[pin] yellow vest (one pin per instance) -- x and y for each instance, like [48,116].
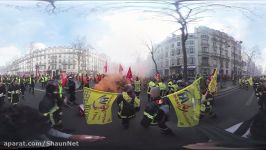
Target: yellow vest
[162,86]
[137,86]
[128,99]
[151,85]
[60,88]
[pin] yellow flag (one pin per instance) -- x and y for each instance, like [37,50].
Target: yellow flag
[212,87]
[98,106]
[250,81]
[186,103]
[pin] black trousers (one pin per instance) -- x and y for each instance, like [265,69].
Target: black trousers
[43,84]
[22,91]
[72,97]
[149,97]
[125,122]
[137,94]
[2,101]
[31,88]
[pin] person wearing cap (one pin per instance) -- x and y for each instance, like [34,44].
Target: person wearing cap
[13,92]
[156,112]
[128,104]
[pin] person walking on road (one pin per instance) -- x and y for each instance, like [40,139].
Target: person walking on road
[31,84]
[156,112]
[128,105]
[71,90]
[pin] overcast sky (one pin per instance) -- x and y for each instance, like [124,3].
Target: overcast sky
[121,34]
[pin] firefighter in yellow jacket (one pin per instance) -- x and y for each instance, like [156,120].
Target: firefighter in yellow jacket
[50,105]
[163,88]
[137,86]
[151,84]
[13,92]
[128,105]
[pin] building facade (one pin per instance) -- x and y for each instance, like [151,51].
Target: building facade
[52,59]
[206,49]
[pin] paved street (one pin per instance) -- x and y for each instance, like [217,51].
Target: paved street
[232,107]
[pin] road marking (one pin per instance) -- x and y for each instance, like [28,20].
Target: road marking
[39,90]
[227,93]
[250,99]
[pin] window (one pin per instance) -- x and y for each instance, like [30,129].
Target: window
[178,51]
[204,36]
[205,49]
[173,62]
[166,63]
[191,50]
[227,64]
[191,60]
[166,54]
[178,43]
[191,42]
[69,66]
[205,61]
[178,61]
[215,49]
[172,52]
[173,45]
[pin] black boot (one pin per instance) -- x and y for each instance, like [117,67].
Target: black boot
[167,131]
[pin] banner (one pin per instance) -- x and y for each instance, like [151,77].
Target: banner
[186,103]
[212,87]
[98,106]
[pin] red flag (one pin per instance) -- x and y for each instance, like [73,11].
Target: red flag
[120,68]
[105,67]
[129,74]
[63,77]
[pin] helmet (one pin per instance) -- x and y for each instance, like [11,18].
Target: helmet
[51,87]
[170,83]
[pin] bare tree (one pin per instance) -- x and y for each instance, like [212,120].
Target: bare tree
[152,49]
[81,44]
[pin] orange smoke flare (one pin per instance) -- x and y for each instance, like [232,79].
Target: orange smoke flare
[112,83]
